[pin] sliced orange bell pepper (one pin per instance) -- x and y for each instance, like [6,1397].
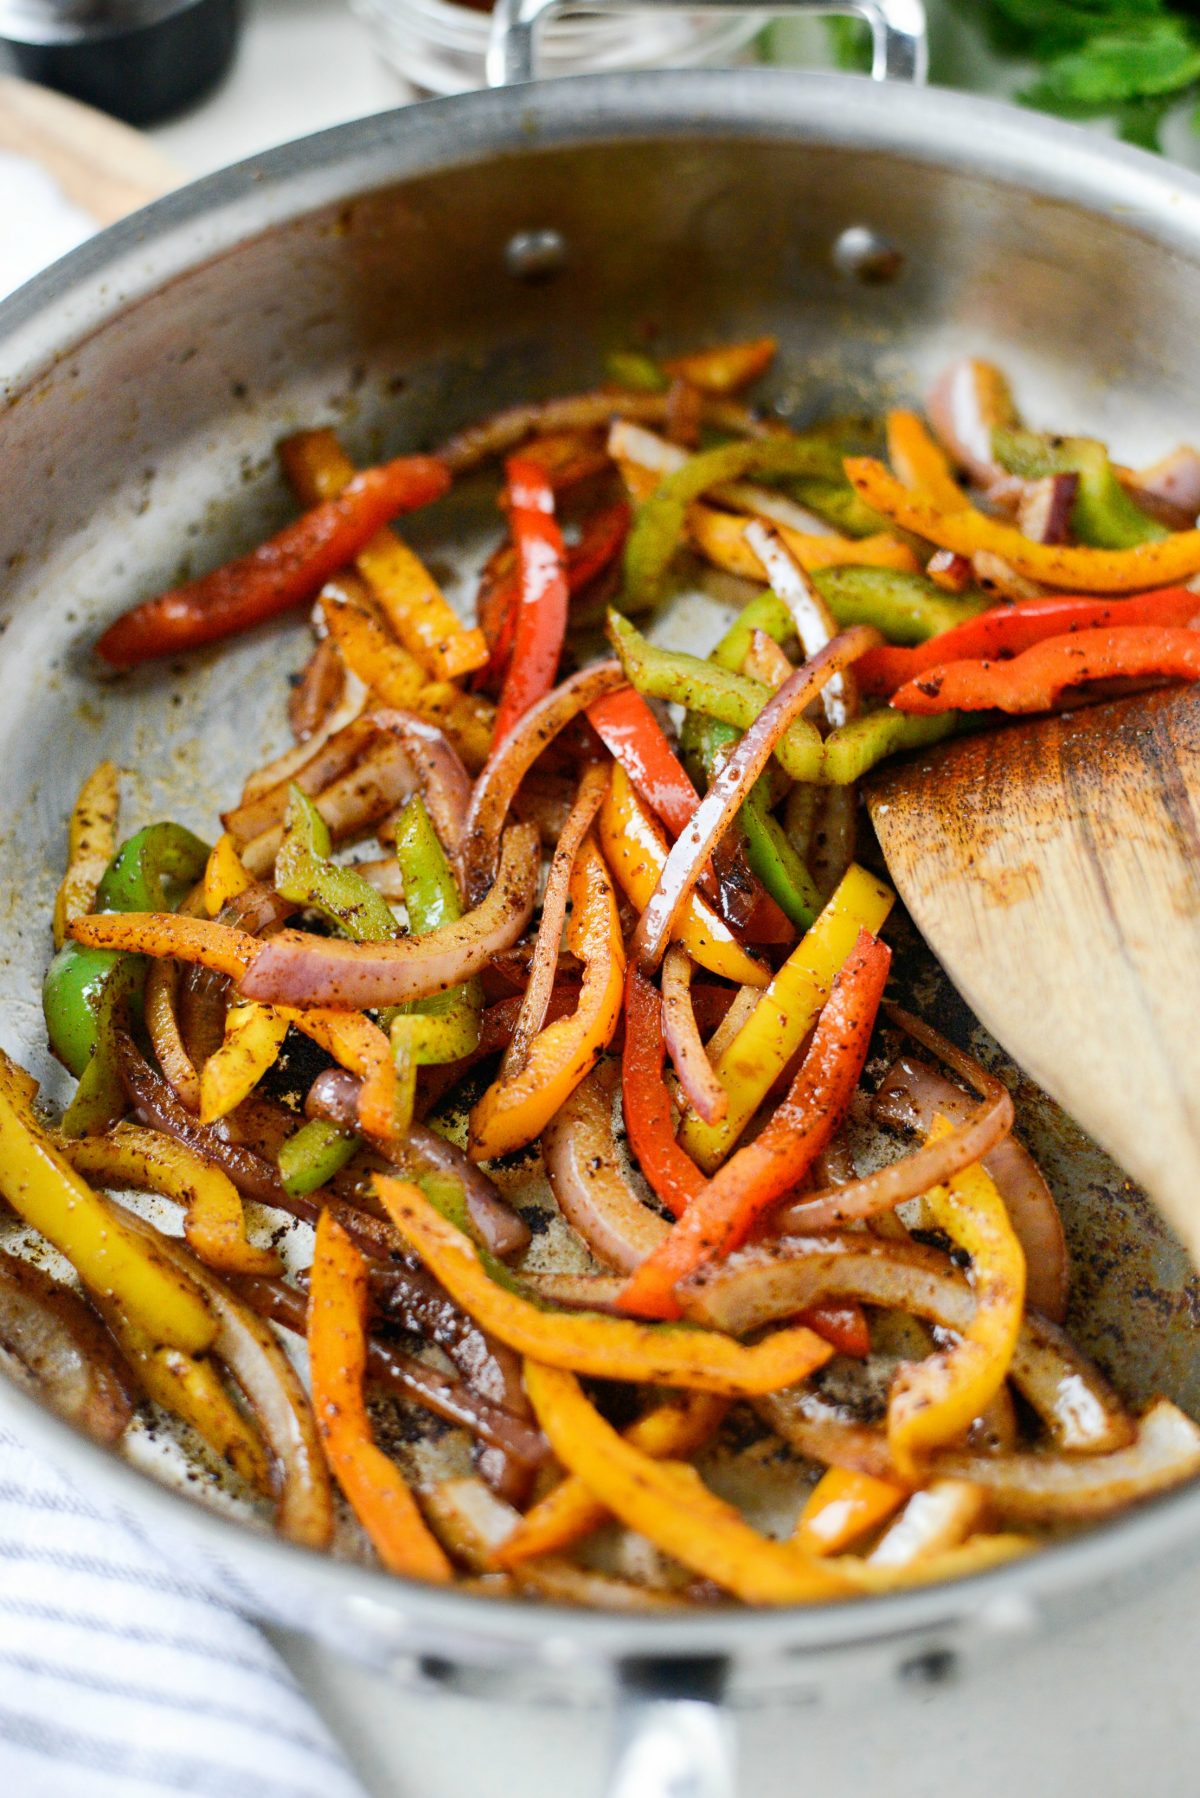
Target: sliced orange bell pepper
[148,1161]
[224,875]
[383,665]
[166,935]
[517,1106]
[749,1066]
[725,368]
[1162,563]
[610,1348]
[413,603]
[668,1502]
[253,1038]
[920,462]
[636,851]
[720,536]
[843,1506]
[933,1401]
[337,1349]
[570,1511]
[717,1220]
[91,845]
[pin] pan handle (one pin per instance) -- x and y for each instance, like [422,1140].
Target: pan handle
[673,1748]
[900,50]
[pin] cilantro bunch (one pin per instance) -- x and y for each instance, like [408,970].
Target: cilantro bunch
[1130,60]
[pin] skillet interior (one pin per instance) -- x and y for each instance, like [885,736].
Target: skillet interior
[146,449]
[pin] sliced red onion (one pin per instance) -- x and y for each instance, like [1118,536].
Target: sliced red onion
[1044,514]
[327,759]
[298,968]
[733,781]
[543,969]
[968,402]
[333,1095]
[499,1227]
[437,772]
[63,1350]
[511,760]
[319,691]
[584,1170]
[1174,480]
[405,1376]
[681,1033]
[380,779]
[157,1104]
[815,623]
[248,1348]
[911,1096]
[931,1165]
[503,431]
[287,766]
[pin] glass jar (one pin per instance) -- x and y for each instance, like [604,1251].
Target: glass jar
[440,47]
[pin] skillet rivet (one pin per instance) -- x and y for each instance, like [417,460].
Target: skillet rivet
[935,1667]
[535,255]
[866,256]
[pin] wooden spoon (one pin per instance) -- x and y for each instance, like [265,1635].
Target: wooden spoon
[103,167]
[1054,868]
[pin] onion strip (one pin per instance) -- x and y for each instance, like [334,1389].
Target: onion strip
[697,1077]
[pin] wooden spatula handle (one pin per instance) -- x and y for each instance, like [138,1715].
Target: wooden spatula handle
[1054,869]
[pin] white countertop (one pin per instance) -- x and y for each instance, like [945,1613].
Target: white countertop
[1107,1710]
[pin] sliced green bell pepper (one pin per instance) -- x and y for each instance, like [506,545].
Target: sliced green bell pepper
[305,874]
[88,993]
[706,687]
[658,529]
[312,1155]
[1103,516]
[444,1027]
[907,608]
[635,371]
[867,739]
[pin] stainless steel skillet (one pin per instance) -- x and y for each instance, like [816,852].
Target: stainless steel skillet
[401,275]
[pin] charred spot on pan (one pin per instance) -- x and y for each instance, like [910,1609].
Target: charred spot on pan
[536,1218]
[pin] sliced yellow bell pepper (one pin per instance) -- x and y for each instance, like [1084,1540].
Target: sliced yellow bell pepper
[413,603]
[636,851]
[191,1388]
[1162,563]
[91,845]
[784,1014]
[517,1106]
[42,1186]
[719,536]
[610,1348]
[843,1506]
[921,463]
[931,1402]
[668,1502]
[224,875]
[253,1038]
[148,1161]
[571,1511]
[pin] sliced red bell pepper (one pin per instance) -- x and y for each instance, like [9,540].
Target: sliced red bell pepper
[601,541]
[541,611]
[843,1324]
[629,731]
[1009,629]
[288,570]
[1034,680]
[646,1102]
[751,1181]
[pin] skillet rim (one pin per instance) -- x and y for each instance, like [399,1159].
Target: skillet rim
[44,321]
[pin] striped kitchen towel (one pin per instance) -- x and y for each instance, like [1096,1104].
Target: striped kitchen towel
[123,1676]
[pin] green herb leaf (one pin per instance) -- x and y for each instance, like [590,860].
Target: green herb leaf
[1146,58]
